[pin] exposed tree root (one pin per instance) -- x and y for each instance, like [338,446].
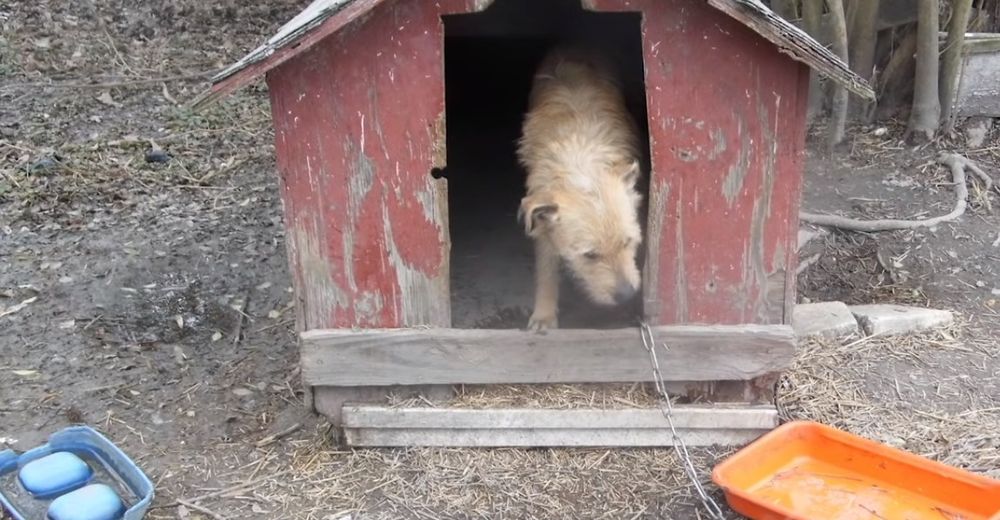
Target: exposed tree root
[958,165]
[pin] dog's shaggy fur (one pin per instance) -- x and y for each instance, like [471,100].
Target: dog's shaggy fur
[580,147]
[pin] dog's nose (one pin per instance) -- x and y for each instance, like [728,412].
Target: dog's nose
[624,292]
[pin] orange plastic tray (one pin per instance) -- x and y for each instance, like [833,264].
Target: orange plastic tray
[809,471]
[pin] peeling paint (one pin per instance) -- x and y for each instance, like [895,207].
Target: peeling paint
[481,5]
[757,271]
[367,307]
[680,277]
[687,155]
[361,177]
[427,198]
[651,269]
[321,296]
[719,144]
[733,183]
[439,152]
[373,103]
[420,299]
[774,292]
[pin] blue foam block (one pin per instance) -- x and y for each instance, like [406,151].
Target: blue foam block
[53,474]
[93,502]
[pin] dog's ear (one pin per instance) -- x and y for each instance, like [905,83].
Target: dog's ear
[536,212]
[628,171]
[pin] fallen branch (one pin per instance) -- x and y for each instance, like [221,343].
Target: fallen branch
[271,439]
[803,265]
[957,163]
[242,486]
[200,509]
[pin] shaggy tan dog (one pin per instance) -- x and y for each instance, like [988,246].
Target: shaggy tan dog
[581,149]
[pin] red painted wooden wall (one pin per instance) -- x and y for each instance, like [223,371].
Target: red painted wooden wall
[359,126]
[727,130]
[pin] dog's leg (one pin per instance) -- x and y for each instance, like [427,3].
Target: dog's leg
[545,315]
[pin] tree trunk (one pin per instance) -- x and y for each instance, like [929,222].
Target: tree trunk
[952,60]
[838,116]
[863,37]
[926,113]
[850,15]
[812,21]
[895,83]
[784,9]
[862,44]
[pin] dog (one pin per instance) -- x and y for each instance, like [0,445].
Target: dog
[580,148]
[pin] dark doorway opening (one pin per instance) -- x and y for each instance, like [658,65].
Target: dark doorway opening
[490,60]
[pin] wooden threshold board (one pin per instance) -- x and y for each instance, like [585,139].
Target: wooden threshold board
[384,357]
[383,426]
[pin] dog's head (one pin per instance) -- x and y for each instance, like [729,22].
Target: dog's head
[595,229]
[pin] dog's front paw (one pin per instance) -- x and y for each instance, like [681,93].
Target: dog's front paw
[542,321]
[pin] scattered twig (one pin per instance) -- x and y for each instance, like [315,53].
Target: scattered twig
[236,164]
[103,388]
[93,321]
[283,323]
[958,165]
[803,265]
[243,486]
[18,307]
[271,439]
[110,84]
[200,509]
[167,96]
[241,314]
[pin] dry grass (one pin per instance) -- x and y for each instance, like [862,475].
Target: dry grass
[891,389]
[452,483]
[555,396]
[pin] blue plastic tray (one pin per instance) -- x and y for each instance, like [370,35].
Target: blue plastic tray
[110,467]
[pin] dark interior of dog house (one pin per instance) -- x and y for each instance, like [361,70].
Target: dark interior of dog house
[490,60]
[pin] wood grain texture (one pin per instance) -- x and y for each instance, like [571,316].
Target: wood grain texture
[374,426]
[366,224]
[367,230]
[978,91]
[727,137]
[453,356]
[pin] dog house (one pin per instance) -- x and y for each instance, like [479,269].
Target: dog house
[395,123]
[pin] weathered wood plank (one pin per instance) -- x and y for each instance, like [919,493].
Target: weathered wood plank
[377,426]
[689,417]
[978,91]
[366,224]
[339,357]
[727,141]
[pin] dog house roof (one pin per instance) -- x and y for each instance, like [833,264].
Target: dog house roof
[323,18]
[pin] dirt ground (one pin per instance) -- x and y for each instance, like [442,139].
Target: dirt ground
[151,299]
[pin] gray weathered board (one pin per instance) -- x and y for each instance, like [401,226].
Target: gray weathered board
[372,357]
[380,426]
[978,92]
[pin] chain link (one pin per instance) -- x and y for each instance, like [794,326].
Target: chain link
[649,343]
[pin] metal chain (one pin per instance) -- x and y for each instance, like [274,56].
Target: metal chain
[649,342]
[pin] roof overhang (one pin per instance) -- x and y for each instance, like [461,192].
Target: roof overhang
[325,17]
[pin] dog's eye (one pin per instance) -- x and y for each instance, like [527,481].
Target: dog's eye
[592,255]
